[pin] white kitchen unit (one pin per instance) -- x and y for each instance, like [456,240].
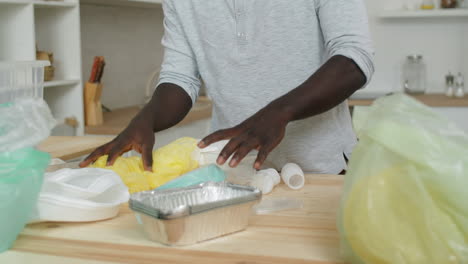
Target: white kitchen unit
[53,27]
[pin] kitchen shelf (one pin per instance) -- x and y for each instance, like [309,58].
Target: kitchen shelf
[61,83]
[38,3]
[131,3]
[425,13]
[47,4]
[14,2]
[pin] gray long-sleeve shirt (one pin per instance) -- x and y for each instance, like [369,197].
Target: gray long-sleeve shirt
[250,52]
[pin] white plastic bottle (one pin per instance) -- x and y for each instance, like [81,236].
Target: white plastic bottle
[265,180]
[293,176]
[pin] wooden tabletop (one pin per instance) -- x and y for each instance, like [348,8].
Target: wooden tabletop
[118,120]
[433,100]
[67,148]
[306,235]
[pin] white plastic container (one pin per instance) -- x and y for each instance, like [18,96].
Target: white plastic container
[293,176]
[21,80]
[80,195]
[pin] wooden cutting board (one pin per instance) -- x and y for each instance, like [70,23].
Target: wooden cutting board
[306,235]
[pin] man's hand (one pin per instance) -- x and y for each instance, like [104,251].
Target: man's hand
[263,132]
[168,106]
[138,136]
[332,84]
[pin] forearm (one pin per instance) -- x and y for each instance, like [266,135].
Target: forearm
[168,106]
[332,84]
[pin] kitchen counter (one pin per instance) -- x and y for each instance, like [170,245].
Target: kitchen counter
[306,235]
[433,100]
[68,148]
[118,120]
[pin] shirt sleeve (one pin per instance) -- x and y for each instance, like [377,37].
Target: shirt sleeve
[345,28]
[179,65]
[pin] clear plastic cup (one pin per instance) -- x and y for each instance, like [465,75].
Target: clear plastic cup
[21,167]
[21,80]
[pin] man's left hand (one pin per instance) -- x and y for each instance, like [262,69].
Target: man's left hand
[263,132]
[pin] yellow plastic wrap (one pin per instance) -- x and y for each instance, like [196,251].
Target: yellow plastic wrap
[405,198]
[169,162]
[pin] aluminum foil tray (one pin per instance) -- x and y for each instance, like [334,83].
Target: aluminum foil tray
[189,215]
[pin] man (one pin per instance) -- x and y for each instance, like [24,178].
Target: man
[278,71]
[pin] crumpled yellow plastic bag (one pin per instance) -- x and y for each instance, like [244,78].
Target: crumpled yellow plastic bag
[405,196]
[169,162]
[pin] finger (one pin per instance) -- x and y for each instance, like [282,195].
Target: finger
[116,151]
[261,157]
[95,155]
[241,152]
[227,151]
[147,157]
[218,136]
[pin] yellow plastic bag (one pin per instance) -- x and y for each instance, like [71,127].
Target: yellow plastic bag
[405,199]
[169,162]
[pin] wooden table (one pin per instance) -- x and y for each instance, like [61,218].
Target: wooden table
[67,148]
[306,235]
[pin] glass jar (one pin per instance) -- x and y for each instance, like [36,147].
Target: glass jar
[414,75]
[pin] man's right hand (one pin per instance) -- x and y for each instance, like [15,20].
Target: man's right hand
[168,106]
[138,136]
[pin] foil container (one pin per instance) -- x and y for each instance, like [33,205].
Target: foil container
[186,216]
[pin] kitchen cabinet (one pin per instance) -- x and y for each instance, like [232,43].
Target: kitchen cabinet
[54,27]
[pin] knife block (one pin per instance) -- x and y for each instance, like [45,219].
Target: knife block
[92,102]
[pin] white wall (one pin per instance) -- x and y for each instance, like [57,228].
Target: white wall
[442,41]
[129,38]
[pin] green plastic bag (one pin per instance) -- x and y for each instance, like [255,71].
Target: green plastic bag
[211,173]
[21,175]
[405,198]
